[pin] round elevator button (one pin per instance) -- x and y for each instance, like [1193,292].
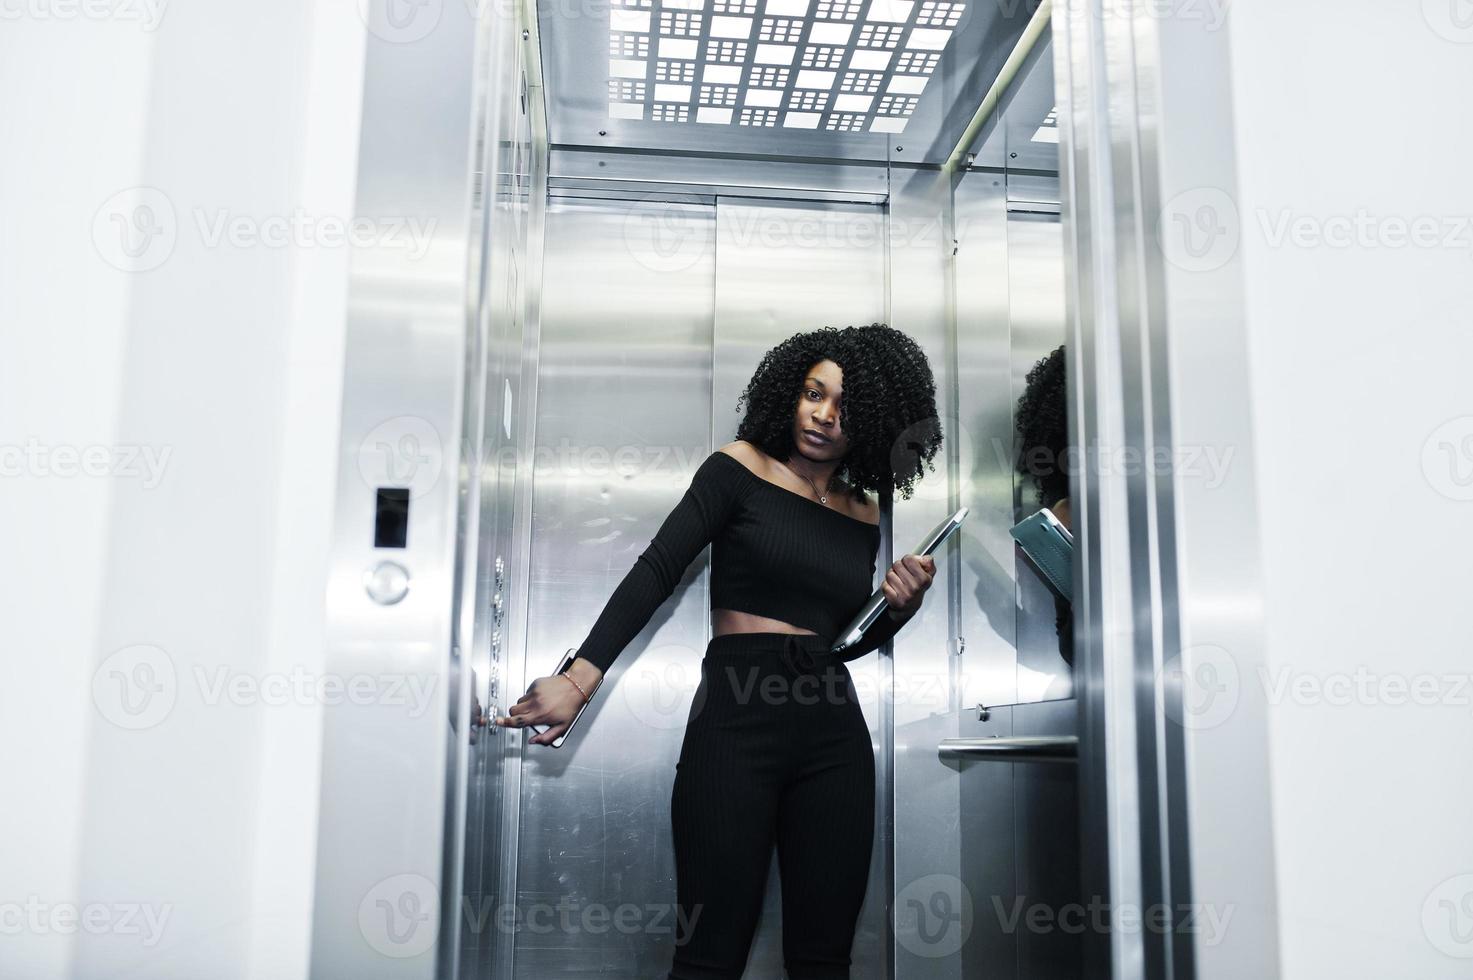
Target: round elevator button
[387,582]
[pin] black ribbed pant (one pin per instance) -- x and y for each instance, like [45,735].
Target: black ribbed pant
[776,751]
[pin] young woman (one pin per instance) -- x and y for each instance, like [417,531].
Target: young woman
[776,748]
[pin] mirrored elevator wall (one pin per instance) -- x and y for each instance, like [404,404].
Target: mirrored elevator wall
[1021,850]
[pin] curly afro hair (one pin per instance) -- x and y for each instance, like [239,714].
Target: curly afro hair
[888,411]
[1042,422]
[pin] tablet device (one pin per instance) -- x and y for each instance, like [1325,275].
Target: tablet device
[1049,549]
[878,602]
[563,664]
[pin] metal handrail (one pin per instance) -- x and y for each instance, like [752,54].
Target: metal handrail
[1015,748]
[1031,33]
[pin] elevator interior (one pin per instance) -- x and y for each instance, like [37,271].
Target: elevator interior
[636,202]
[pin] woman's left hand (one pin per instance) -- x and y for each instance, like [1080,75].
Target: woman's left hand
[907,581]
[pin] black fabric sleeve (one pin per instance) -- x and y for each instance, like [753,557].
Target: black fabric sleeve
[879,631]
[695,521]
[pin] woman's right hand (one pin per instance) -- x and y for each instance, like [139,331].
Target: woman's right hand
[552,701]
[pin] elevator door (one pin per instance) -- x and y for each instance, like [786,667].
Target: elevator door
[654,316]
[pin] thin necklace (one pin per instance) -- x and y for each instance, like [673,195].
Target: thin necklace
[821,498]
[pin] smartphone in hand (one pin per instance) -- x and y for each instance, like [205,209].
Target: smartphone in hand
[563,664]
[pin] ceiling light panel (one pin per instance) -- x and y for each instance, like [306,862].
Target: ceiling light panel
[845,66]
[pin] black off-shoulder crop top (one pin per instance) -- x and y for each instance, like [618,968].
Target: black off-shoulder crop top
[774,553]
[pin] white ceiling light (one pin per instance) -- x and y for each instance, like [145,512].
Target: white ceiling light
[1049,131]
[840,65]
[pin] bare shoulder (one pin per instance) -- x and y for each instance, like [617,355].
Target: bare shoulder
[748,455]
[866,509]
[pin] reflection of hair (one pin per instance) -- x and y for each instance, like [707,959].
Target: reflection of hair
[888,410]
[1043,428]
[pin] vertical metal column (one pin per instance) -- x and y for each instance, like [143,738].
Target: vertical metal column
[387,757]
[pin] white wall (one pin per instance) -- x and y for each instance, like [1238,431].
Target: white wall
[1360,357]
[182,830]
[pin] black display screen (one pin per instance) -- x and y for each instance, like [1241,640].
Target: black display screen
[391,518]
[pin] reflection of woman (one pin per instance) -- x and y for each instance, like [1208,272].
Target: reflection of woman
[1042,422]
[777,749]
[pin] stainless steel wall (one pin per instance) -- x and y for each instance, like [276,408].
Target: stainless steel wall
[1020,842]
[784,267]
[623,419]
[1035,271]
[931,914]
[654,316]
[388,760]
[480,858]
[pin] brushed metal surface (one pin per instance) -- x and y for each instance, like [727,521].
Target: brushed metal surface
[1035,327]
[1008,138]
[925,669]
[988,616]
[623,409]
[388,761]
[781,268]
[1020,842]
[650,172]
[491,569]
[649,308]
[1046,849]
[1015,748]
